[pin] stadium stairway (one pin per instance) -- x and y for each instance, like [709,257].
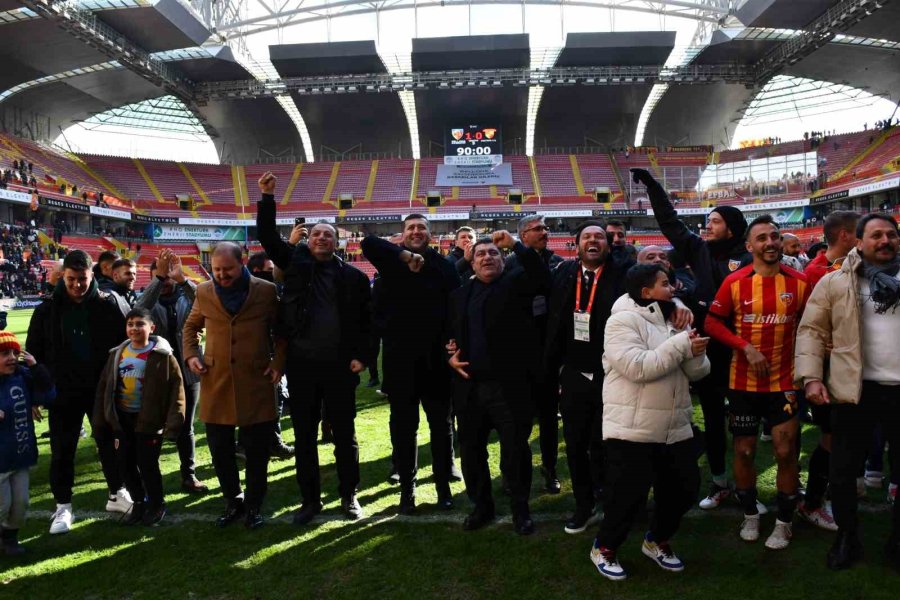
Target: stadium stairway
[109,187]
[204,199]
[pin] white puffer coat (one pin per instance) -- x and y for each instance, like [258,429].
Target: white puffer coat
[648,366]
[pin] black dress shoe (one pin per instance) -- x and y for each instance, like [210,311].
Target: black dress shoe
[846,550]
[281,451]
[393,477]
[551,481]
[233,512]
[478,519]
[134,516]
[445,499]
[523,524]
[153,515]
[192,485]
[351,508]
[373,383]
[307,513]
[408,501]
[455,473]
[254,519]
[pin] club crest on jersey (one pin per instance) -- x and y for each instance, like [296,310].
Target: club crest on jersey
[787,298]
[733,265]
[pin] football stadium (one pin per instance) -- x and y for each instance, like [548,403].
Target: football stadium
[159,146]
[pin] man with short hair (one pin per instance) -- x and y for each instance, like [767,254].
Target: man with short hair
[103,270]
[461,254]
[847,359]
[326,317]
[124,274]
[416,285]
[534,235]
[711,260]
[755,313]
[840,233]
[490,316]
[238,373]
[616,233]
[71,332]
[173,296]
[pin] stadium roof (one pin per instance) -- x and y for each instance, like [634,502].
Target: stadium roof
[107,54]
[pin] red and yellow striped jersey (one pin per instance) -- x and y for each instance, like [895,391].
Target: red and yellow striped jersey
[765,312]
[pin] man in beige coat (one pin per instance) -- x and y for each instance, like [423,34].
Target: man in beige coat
[237,375]
[847,357]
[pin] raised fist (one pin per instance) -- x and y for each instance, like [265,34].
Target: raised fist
[642,176]
[267,183]
[503,239]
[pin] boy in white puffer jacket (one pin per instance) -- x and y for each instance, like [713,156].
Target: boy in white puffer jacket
[647,419]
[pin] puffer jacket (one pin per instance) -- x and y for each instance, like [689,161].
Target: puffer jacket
[832,316]
[648,366]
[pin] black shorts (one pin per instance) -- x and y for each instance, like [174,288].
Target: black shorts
[746,409]
[821,415]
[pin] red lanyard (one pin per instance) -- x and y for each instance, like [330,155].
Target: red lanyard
[593,291]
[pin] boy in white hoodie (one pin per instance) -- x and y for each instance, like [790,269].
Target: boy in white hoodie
[647,419]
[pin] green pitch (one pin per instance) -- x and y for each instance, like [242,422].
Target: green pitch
[422,557]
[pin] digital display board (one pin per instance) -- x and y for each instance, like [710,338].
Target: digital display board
[473,145]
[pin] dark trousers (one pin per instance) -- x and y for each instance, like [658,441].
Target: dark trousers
[66,419]
[853,426]
[330,387]
[404,423]
[547,397]
[256,439]
[487,409]
[185,441]
[632,469]
[138,456]
[581,405]
[376,348]
[712,401]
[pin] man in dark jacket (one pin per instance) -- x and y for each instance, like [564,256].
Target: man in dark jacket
[711,260]
[491,316]
[461,255]
[534,235]
[417,282]
[326,316]
[103,270]
[583,292]
[71,333]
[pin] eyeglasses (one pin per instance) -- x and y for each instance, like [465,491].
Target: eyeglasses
[538,228]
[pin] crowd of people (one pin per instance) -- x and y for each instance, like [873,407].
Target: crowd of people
[21,271]
[498,334]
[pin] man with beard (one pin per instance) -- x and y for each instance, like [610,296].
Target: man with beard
[792,247]
[755,313]
[534,235]
[682,279]
[103,270]
[326,317]
[174,296]
[711,260]
[461,255]
[416,284]
[124,273]
[852,312]
[490,316]
[582,296]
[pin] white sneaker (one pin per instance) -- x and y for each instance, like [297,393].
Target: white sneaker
[62,519]
[861,487]
[781,536]
[120,502]
[874,479]
[662,555]
[820,517]
[717,494]
[765,437]
[606,562]
[750,528]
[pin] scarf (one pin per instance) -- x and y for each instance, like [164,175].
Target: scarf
[667,307]
[884,286]
[234,296]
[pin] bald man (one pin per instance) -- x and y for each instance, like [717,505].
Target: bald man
[681,278]
[791,246]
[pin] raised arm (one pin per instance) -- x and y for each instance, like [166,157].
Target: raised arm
[682,239]
[278,250]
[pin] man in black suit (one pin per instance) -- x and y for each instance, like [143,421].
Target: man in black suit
[416,284]
[325,312]
[490,331]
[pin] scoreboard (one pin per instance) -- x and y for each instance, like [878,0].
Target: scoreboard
[472,145]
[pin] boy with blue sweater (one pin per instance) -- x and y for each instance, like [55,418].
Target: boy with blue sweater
[22,388]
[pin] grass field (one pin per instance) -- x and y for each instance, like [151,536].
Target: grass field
[427,556]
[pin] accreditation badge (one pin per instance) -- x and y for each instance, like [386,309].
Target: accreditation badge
[582,328]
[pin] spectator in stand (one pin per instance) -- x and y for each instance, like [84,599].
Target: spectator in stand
[71,333]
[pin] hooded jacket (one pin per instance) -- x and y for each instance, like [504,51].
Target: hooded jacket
[162,396]
[647,365]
